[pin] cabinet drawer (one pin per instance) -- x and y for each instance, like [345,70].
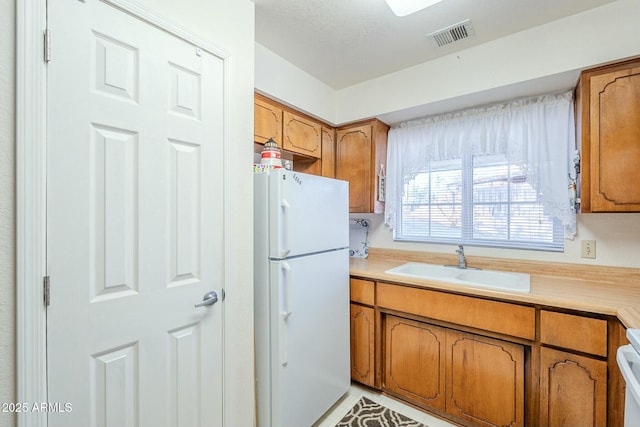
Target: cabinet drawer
[574,332]
[362,291]
[494,316]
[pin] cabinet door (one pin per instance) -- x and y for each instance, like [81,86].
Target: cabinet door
[485,380]
[362,344]
[414,361]
[267,122]
[353,164]
[615,140]
[301,135]
[573,390]
[328,152]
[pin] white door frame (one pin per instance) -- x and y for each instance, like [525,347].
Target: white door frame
[31,173]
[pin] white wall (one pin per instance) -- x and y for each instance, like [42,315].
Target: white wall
[279,79]
[606,33]
[226,23]
[617,239]
[538,60]
[7,208]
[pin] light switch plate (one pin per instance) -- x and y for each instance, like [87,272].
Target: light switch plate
[589,249]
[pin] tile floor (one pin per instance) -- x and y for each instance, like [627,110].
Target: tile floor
[335,414]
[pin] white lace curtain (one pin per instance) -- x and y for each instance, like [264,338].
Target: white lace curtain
[539,132]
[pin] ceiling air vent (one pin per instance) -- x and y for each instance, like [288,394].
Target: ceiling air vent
[452,33]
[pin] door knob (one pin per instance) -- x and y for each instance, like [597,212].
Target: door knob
[209,298]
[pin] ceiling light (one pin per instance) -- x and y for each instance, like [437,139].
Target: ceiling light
[407,7]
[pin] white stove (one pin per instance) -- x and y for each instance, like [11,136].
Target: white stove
[629,362]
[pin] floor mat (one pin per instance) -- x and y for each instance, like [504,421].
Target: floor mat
[367,413]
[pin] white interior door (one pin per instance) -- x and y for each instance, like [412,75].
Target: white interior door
[134,216]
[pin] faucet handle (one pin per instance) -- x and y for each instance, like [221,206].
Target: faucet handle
[460,249]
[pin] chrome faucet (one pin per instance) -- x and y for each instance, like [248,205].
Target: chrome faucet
[462,261]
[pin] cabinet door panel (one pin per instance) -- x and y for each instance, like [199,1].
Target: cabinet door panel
[362,344]
[414,361]
[573,390]
[353,164]
[608,107]
[328,152]
[615,139]
[485,380]
[301,135]
[267,122]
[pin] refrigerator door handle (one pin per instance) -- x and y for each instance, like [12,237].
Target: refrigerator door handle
[285,304]
[284,251]
[284,341]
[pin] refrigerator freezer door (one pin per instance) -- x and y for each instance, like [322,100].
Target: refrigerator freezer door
[308,214]
[310,357]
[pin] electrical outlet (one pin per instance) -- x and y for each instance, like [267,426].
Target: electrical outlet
[588,249]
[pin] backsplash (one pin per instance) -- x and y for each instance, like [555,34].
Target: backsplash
[617,236]
[359,237]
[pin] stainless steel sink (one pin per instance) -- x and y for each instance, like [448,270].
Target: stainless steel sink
[517,282]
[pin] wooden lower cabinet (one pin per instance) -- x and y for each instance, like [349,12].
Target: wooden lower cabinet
[573,390]
[485,380]
[539,367]
[414,361]
[363,344]
[469,376]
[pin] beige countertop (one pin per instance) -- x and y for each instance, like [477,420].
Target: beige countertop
[602,290]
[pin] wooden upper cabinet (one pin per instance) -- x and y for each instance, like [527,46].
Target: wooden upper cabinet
[309,143]
[361,150]
[608,107]
[267,121]
[301,135]
[328,152]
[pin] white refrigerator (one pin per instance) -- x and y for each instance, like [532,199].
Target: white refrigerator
[301,267]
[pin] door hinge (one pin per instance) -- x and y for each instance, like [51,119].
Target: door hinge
[46,291]
[47,45]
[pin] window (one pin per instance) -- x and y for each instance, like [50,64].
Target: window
[480,200]
[499,175]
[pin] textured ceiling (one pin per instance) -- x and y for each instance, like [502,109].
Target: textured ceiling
[344,42]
